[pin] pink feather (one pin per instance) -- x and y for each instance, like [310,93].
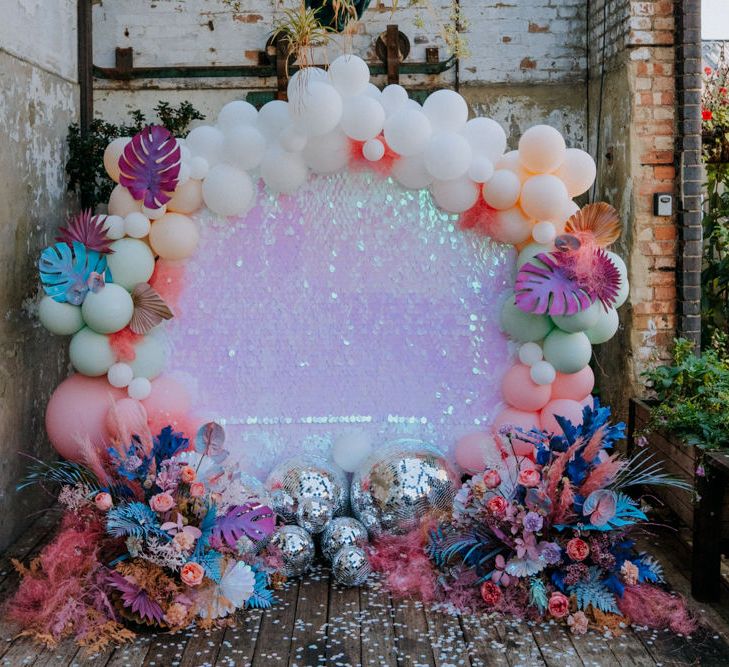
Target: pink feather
[601,475]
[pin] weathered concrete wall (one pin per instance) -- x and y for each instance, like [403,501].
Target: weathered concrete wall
[38,99]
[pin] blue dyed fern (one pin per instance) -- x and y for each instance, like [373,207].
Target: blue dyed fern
[211,563]
[538,594]
[133,520]
[594,592]
[262,597]
[649,569]
[65,271]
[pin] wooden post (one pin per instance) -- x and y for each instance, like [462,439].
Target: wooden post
[85,58]
[706,554]
[282,80]
[392,39]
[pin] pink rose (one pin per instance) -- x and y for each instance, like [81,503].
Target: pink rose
[103,501]
[496,505]
[559,605]
[530,477]
[490,593]
[162,502]
[577,549]
[578,623]
[188,474]
[491,478]
[192,573]
[197,489]
[184,541]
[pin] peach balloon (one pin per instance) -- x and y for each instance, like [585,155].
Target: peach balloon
[511,162]
[541,149]
[577,171]
[566,213]
[77,411]
[188,197]
[174,236]
[521,392]
[475,450]
[560,407]
[122,203]
[502,190]
[516,419]
[543,197]
[112,153]
[574,386]
[511,226]
[169,404]
[127,417]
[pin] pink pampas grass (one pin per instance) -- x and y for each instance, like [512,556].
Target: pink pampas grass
[649,605]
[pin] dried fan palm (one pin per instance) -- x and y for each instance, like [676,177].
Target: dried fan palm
[599,223]
[86,229]
[149,309]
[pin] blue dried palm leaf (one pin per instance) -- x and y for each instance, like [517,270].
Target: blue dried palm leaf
[66,270]
[133,520]
[262,597]
[65,473]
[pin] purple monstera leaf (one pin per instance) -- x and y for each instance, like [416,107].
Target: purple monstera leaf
[135,598]
[548,286]
[252,520]
[150,166]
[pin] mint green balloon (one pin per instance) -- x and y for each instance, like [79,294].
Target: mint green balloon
[605,327]
[150,356]
[567,352]
[521,326]
[530,252]
[131,262]
[580,321]
[91,353]
[109,310]
[62,319]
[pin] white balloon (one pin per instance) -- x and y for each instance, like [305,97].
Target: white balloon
[62,319]
[486,137]
[407,132]
[301,78]
[244,147]
[185,152]
[283,171]
[137,225]
[543,197]
[530,353]
[114,227]
[481,169]
[349,74]
[544,232]
[273,117]
[570,208]
[199,168]
[228,191]
[120,375]
[293,139]
[184,175]
[236,113]
[502,190]
[327,154]
[455,196]
[373,150]
[447,156]
[393,98]
[446,110]
[139,388]
[371,90]
[362,117]
[153,213]
[411,172]
[542,372]
[207,142]
[350,450]
[541,149]
[318,110]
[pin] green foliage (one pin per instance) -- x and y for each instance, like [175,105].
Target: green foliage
[693,394]
[85,167]
[715,271]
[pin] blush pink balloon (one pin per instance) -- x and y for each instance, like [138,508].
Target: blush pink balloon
[475,451]
[574,386]
[562,407]
[513,418]
[76,411]
[588,401]
[169,404]
[521,392]
[127,417]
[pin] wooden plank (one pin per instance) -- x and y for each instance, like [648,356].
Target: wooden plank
[629,650]
[21,651]
[165,649]
[377,631]
[59,656]
[593,648]
[84,659]
[520,646]
[483,642]
[411,634]
[344,633]
[274,637]
[202,648]
[554,644]
[309,635]
[239,643]
[447,639]
[130,655]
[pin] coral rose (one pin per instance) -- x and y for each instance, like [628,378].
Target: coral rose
[188,474]
[162,502]
[559,605]
[491,478]
[630,572]
[490,593]
[192,573]
[197,489]
[577,549]
[529,477]
[176,614]
[496,505]
[103,501]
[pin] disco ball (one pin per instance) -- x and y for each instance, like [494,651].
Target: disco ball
[350,566]
[296,547]
[313,514]
[401,483]
[342,532]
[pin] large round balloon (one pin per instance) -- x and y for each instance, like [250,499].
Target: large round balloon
[521,392]
[77,412]
[521,326]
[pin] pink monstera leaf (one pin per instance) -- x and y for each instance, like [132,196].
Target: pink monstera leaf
[149,167]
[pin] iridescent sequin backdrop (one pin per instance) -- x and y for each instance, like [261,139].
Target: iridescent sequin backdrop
[351,304]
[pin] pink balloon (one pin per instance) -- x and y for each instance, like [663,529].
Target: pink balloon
[521,392]
[169,404]
[76,411]
[588,401]
[513,418]
[574,386]
[562,407]
[127,417]
[475,451]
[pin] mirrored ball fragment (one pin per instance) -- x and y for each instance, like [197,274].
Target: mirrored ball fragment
[314,514]
[344,531]
[296,548]
[350,566]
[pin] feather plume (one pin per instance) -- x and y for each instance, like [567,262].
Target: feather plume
[558,467]
[566,500]
[601,475]
[594,445]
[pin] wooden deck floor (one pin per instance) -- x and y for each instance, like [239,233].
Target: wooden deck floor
[317,623]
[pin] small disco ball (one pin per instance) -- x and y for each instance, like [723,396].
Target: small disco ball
[296,547]
[308,477]
[343,531]
[313,514]
[350,566]
[401,483]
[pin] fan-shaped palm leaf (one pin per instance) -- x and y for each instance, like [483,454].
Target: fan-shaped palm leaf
[598,223]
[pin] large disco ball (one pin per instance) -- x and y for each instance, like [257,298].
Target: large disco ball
[399,484]
[308,490]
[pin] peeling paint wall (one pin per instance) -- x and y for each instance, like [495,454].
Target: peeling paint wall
[38,100]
